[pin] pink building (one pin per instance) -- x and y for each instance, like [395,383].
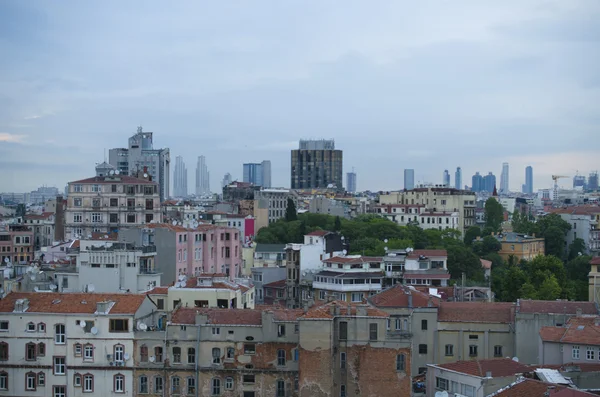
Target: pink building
[192,251]
[16,244]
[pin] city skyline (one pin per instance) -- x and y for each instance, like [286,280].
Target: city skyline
[69,96]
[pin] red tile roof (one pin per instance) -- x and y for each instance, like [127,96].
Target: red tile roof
[319,233]
[72,303]
[287,314]
[499,368]
[595,260]
[158,291]
[324,311]
[398,296]
[527,388]
[555,307]
[354,259]
[476,312]
[202,227]
[275,284]
[577,210]
[428,253]
[43,215]
[113,180]
[579,330]
[185,315]
[486,264]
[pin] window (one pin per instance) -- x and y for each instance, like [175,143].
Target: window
[296,354]
[77,350]
[160,304]
[216,355]
[281,330]
[230,354]
[280,392]
[575,352]
[158,354]
[449,350]
[177,355]
[216,386]
[281,357]
[76,202]
[30,327]
[158,384]
[143,384]
[191,386]
[497,351]
[144,354]
[248,378]
[474,337]
[3,351]
[59,391]
[118,325]
[373,331]
[41,327]
[77,380]
[467,390]
[400,362]
[96,217]
[59,365]
[77,217]
[343,330]
[30,381]
[30,350]
[175,385]
[441,383]
[119,351]
[41,379]
[119,383]
[357,297]
[216,331]
[95,188]
[249,348]
[41,349]
[88,383]
[321,294]
[423,325]
[130,218]
[343,391]
[3,381]
[59,334]
[473,350]
[422,349]
[590,353]
[191,355]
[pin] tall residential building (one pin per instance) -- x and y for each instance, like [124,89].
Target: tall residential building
[477,183]
[504,186]
[227,179]
[528,180]
[258,174]
[593,181]
[140,154]
[409,179]
[202,177]
[180,178]
[316,164]
[351,182]
[579,181]
[446,179]
[458,178]
[489,182]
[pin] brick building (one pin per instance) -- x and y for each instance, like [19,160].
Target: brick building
[16,244]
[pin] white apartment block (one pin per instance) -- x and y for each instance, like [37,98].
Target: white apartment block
[59,345]
[276,201]
[109,203]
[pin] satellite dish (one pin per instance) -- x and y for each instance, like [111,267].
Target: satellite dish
[385,248]
[33,276]
[174,223]
[6,260]
[91,288]
[111,172]
[82,324]
[515,359]
[126,356]
[36,289]
[94,331]
[53,287]
[385,241]
[143,327]
[181,277]
[344,252]
[152,359]
[117,172]
[145,175]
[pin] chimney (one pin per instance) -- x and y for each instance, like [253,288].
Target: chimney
[578,312]
[59,220]
[430,302]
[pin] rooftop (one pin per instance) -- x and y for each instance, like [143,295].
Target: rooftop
[476,312]
[579,330]
[113,179]
[512,237]
[185,315]
[72,303]
[499,368]
[398,296]
[276,284]
[354,259]
[345,309]
[279,248]
[319,233]
[555,307]
[416,254]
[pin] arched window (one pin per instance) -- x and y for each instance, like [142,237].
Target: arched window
[281,357]
[88,383]
[31,327]
[41,349]
[158,354]
[119,383]
[216,354]
[119,351]
[175,385]
[30,351]
[143,384]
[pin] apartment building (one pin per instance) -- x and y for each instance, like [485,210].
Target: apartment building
[211,290]
[42,226]
[271,255]
[436,199]
[60,345]
[594,280]
[276,200]
[111,203]
[265,277]
[417,267]
[220,352]
[16,244]
[404,215]
[344,350]
[520,246]
[584,225]
[576,342]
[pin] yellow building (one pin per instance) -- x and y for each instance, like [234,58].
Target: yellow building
[521,246]
[594,278]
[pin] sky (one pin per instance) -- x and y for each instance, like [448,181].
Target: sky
[429,85]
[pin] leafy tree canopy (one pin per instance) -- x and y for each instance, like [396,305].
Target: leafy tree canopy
[494,214]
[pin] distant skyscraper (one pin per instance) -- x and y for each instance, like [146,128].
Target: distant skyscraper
[409,179]
[528,180]
[351,182]
[202,177]
[179,178]
[316,164]
[446,178]
[140,154]
[458,178]
[227,179]
[477,183]
[489,182]
[593,181]
[579,181]
[504,186]
[258,174]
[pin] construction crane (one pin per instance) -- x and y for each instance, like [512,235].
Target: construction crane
[555,178]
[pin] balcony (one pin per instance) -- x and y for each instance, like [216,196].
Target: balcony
[346,287]
[399,335]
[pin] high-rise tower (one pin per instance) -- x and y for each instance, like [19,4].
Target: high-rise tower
[180,178]
[504,186]
[316,164]
[446,178]
[458,178]
[409,178]
[202,177]
[351,182]
[528,180]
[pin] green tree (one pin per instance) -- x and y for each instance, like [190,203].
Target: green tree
[463,260]
[576,248]
[290,211]
[338,224]
[511,280]
[494,214]
[471,234]
[528,291]
[487,245]
[521,223]
[550,289]
[554,241]
[578,268]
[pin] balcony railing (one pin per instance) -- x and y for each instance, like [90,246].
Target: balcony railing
[399,335]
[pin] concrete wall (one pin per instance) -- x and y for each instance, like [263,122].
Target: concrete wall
[462,335]
[527,328]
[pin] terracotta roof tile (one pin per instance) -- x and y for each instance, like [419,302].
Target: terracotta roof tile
[51,302]
[43,215]
[319,233]
[185,315]
[486,264]
[428,253]
[324,311]
[275,284]
[595,260]
[398,296]
[499,368]
[555,307]
[476,312]
[287,314]
[527,388]
[158,291]
[580,330]
[354,259]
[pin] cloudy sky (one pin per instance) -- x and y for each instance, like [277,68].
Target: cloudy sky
[423,84]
